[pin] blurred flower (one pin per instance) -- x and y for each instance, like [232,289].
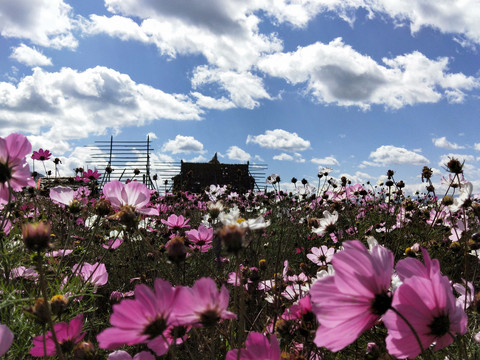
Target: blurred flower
[36,236]
[203,304]
[68,334]
[6,339]
[62,195]
[96,274]
[14,169]
[257,346]
[426,301]
[26,273]
[144,319]
[41,155]
[359,291]
[123,355]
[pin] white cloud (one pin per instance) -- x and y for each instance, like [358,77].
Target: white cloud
[183,144]
[329,160]
[199,158]
[283,157]
[30,56]
[280,139]
[336,73]
[235,153]
[392,155]
[455,17]
[152,136]
[224,31]
[476,146]
[244,89]
[164,157]
[297,157]
[442,142]
[208,102]
[71,105]
[47,23]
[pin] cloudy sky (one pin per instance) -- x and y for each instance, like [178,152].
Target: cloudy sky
[360,86]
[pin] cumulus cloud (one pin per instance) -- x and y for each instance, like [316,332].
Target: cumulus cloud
[152,136]
[71,105]
[244,89]
[280,139]
[457,17]
[225,32]
[30,56]
[236,153]
[208,102]
[297,157]
[442,142]
[47,23]
[329,160]
[392,155]
[183,144]
[336,73]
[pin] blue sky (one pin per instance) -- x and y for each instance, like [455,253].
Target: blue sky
[358,86]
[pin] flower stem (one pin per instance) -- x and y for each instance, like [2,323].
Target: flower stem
[43,288]
[410,326]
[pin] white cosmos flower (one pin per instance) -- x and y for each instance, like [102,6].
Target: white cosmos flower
[326,223]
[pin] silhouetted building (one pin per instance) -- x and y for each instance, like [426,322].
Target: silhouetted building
[196,177]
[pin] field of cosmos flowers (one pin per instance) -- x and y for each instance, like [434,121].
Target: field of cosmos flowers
[341,271]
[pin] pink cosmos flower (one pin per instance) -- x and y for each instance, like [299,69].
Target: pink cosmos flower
[6,339]
[24,272]
[41,155]
[427,302]
[90,175]
[60,252]
[351,301]
[175,222]
[133,194]
[14,169]
[96,274]
[144,319]
[123,355]
[62,195]
[257,346]
[68,334]
[322,255]
[201,238]
[112,244]
[203,304]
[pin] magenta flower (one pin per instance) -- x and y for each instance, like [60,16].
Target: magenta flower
[96,274]
[201,238]
[203,305]
[351,301]
[14,169]
[90,175]
[67,335]
[257,346]
[144,319]
[24,272]
[175,222]
[133,194]
[427,302]
[41,155]
[6,339]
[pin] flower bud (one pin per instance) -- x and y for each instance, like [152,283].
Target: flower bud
[176,250]
[36,236]
[232,237]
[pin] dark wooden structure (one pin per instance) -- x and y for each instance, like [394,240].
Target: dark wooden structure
[196,177]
